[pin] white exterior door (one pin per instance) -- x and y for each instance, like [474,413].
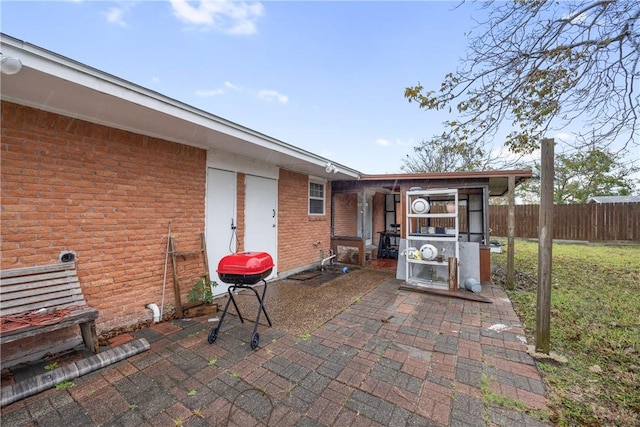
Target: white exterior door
[220,220]
[261,217]
[365,208]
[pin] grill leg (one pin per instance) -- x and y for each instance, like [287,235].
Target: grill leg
[255,337]
[264,292]
[261,308]
[232,299]
[213,333]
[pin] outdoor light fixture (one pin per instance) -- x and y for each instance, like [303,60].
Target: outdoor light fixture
[330,168]
[9,65]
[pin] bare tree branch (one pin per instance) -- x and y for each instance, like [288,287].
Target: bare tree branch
[537,66]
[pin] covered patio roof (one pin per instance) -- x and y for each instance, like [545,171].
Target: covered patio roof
[498,180]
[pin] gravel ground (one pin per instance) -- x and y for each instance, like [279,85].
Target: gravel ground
[302,306]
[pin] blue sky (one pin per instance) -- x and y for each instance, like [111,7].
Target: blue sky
[326,76]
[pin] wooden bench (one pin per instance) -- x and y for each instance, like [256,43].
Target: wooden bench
[42,299]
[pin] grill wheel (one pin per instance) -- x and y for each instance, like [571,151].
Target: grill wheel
[255,340]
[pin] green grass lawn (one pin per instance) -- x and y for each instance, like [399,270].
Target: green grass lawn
[595,323]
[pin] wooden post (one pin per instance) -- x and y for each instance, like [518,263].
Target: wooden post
[205,257]
[363,228]
[176,283]
[545,237]
[511,233]
[453,273]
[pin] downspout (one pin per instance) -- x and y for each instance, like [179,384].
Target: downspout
[156,312]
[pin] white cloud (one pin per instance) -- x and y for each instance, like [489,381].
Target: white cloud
[270,95]
[209,92]
[565,137]
[228,16]
[115,15]
[383,142]
[231,86]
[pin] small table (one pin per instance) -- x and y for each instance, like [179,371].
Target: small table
[388,244]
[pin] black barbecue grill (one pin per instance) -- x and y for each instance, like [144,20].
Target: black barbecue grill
[242,270]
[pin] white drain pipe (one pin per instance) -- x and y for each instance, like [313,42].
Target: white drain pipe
[329,258]
[156,312]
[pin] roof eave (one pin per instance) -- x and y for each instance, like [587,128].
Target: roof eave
[54,83]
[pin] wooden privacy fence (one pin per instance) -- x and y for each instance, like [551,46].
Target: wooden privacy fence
[606,221]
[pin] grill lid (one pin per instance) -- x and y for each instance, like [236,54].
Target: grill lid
[245,263]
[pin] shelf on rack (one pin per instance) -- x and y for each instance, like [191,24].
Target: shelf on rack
[428,283]
[428,262]
[418,222]
[433,215]
[431,235]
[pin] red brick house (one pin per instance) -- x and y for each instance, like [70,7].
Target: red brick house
[99,166]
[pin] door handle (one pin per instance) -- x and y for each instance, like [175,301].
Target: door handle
[274,214]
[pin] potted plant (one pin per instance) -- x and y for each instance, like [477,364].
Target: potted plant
[200,297]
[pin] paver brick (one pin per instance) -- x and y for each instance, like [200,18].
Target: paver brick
[403,398]
[467,411]
[314,382]
[294,372]
[254,402]
[307,422]
[351,377]
[330,369]
[102,406]
[337,392]
[446,344]
[127,419]
[324,411]
[469,371]
[281,416]
[418,370]
[422,368]
[511,418]
[298,401]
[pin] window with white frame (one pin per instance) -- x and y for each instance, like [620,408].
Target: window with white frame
[316,197]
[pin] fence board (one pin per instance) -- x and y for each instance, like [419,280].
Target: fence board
[593,222]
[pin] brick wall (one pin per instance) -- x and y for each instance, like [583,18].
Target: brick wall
[302,238]
[106,194]
[378,216]
[345,208]
[241,185]
[345,212]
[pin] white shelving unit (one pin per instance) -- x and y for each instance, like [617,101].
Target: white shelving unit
[429,245]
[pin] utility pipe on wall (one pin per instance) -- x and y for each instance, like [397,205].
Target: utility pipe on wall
[330,257]
[156,312]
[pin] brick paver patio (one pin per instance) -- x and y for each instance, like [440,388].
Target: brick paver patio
[394,358]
